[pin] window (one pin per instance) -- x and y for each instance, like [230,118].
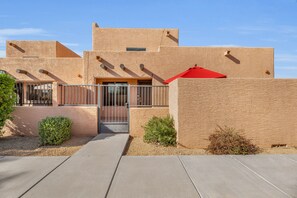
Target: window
[135,49]
[2,72]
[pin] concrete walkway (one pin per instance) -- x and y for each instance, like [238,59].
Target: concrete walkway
[98,170]
[206,176]
[19,174]
[88,173]
[162,176]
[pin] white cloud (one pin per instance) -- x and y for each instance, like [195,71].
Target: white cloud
[2,41]
[71,44]
[21,31]
[286,58]
[2,53]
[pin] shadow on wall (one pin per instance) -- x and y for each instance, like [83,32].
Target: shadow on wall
[131,73]
[173,38]
[55,78]
[17,47]
[32,76]
[153,75]
[19,126]
[235,60]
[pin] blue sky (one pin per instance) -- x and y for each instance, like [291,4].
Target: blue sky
[251,23]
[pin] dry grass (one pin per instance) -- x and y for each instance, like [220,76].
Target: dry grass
[136,147]
[29,146]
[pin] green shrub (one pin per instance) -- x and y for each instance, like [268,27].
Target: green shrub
[160,131]
[7,98]
[54,130]
[229,141]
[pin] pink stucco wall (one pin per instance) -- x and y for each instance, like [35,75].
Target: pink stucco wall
[25,119]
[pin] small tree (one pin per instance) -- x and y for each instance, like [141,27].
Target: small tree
[7,98]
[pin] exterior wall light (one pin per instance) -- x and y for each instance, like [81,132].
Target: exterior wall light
[20,71]
[98,58]
[168,33]
[227,53]
[43,71]
[122,66]
[103,66]
[141,66]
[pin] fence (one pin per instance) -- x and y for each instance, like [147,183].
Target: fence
[33,93]
[114,95]
[78,95]
[149,96]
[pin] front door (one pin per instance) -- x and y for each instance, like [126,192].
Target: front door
[114,107]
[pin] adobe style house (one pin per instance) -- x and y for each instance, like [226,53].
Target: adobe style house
[119,85]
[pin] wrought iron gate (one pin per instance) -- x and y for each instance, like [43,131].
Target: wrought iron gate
[114,108]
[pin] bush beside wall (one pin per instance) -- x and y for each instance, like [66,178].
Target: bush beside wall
[54,130]
[229,141]
[7,98]
[160,131]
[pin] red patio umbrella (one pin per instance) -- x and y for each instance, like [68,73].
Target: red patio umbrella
[196,72]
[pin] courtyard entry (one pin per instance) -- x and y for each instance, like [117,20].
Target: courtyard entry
[114,107]
[113,100]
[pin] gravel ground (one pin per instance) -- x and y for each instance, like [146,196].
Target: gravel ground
[137,147]
[29,146]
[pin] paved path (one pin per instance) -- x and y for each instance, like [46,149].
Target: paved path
[98,170]
[206,176]
[88,173]
[162,176]
[19,174]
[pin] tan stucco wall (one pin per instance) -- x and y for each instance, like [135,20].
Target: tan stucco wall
[39,49]
[139,116]
[264,108]
[250,63]
[118,39]
[173,102]
[62,51]
[31,48]
[62,70]
[162,60]
[25,119]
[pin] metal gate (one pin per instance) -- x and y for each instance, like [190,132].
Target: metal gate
[114,108]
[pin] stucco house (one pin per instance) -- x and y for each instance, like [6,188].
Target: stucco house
[119,84]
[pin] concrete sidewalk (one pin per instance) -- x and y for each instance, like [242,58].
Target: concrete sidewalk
[19,174]
[206,176]
[152,176]
[88,173]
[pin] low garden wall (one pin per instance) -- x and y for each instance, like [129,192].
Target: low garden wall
[139,116]
[25,119]
[266,109]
